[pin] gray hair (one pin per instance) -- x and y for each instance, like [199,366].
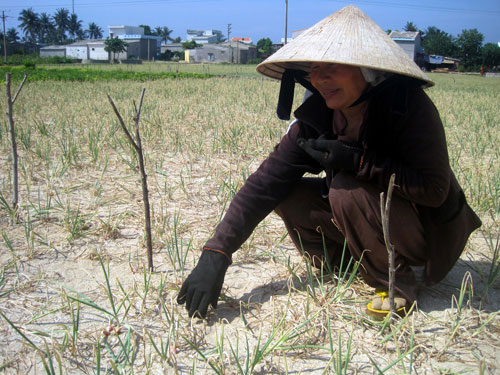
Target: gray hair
[374,77]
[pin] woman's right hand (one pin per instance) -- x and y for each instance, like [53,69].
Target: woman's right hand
[204,284]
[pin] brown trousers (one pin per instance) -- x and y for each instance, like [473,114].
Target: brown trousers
[352,212]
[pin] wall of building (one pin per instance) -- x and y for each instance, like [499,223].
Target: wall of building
[97,52]
[408,47]
[145,49]
[50,52]
[208,54]
[126,30]
[202,36]
[174,47]
[238,53]
[77,52]
[149,49]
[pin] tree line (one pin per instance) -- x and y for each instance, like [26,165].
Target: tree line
[62,27]
[467,47]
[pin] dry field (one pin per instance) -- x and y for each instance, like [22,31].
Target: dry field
[75,296]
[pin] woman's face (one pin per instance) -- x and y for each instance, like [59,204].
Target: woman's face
[340,85]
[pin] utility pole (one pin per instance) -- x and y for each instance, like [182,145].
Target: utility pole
[228,31]
[286,20]
[4,38]
[73,2]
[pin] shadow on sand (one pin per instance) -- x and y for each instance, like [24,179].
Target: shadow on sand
[438,297]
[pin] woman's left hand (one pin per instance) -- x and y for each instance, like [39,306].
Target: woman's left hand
[332,153]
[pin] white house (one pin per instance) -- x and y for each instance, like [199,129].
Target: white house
[49,51]
[409,41]
[96,50]
[202,36]
[140,46]
[121,31]
[227,52]
[78,50]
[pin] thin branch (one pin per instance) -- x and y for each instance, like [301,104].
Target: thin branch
[385,206]
[138,111]
[15,173]
[19,88]
[131,140]
[140,156]
[144,179]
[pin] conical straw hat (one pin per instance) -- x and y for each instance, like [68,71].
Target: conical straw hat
[349,37]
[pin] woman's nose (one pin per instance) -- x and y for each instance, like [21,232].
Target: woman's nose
[320,75]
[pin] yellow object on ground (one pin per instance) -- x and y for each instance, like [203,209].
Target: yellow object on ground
[383,294]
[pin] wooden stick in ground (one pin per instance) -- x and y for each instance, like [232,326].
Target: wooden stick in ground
[385,206]
[137,145]
[144,177]
[10,115]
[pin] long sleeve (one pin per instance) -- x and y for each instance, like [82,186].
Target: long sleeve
[263,191]
[414,148]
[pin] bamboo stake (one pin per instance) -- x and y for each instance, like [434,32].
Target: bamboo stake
[12,131]
[137,145]
[385,206]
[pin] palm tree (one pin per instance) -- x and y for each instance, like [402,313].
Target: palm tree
[410,26]
[29,24]
[12,39]
[46,29]
[94,31]
[11,35]
[81,34]
[164,32]
[74,26]
[61,20]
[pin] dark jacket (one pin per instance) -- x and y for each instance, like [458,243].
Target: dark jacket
[402,134]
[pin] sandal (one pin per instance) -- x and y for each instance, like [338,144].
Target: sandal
[379,306]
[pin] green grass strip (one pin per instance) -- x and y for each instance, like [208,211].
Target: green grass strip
[90,75]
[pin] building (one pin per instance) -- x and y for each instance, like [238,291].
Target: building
[410,42]
[227,52]
[122,31]
[88,49]
[173,47]
[441,63]
[78,50]
[97,51]
[242,40]
[203,36]
[140,46]
[50,51]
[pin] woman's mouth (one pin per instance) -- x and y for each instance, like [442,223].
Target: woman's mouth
[329,92]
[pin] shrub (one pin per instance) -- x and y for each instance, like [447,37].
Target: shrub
[31,60]
[255,61]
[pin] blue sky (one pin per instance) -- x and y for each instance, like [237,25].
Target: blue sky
[266,18]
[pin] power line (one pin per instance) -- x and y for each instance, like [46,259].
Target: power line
[426,7]
[367,2]
[109,3]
